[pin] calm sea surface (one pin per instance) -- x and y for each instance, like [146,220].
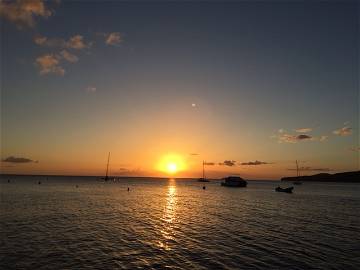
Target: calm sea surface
[175,224]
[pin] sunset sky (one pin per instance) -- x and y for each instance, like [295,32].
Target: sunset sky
[247,87]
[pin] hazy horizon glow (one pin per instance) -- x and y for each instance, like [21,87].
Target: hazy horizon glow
[247,87]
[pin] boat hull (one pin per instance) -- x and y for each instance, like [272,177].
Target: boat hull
[286,190]
[233,184]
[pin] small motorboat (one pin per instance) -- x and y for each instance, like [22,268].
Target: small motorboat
[234,181]
[286,190]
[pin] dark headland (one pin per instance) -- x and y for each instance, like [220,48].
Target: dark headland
[353,177]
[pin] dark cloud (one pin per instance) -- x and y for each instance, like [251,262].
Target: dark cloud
[256,162]
[229,163]
[12,159]
[303,137]
[209,163]
[194,154]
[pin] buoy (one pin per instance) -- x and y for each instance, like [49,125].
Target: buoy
[204,187]
[128,189]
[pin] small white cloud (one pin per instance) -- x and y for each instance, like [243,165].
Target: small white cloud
[91,89]
[281,130]
[113,39]
[323,138]
[345,131]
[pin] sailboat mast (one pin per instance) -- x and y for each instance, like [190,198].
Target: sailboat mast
[203,169]
[297,168]
[107,167]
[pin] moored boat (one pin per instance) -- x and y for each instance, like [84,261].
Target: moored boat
[286,190]
[203,178]
[234,181]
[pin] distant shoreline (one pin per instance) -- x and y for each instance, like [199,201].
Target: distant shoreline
[349,177]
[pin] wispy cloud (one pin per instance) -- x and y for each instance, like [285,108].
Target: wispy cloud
[229,163]
[254,163]
[75,42]
[114,38]
[354,149]
[69,56]
[193,154]
[344,131]
[13,159]
[49,63]
[23,12]
[303,130]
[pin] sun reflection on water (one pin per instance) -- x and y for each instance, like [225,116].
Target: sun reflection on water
[169,216]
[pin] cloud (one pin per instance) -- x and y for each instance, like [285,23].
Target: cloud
[75,42]
[69,56]
[256,162]
[209,163]
[113,38]
[49,63]
[281,130]
[229,163]
[23,12]
[303,130]
[194,154]
[354,149]
[91,89]
[288,138]
[13,159]
[345,131]
[323,138]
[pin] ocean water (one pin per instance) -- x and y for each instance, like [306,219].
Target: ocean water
[175,224]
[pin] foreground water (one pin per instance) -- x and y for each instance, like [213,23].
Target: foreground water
[175,224]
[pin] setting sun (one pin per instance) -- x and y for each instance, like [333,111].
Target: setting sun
[171,164]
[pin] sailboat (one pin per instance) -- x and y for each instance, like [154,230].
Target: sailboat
[203,179]
[297,174]
[106,178]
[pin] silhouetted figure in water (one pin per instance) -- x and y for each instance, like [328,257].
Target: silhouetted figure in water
[77,186]
[204,187]
[39,183]
[128,189]
[8,180]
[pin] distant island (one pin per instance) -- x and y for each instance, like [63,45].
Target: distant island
[353,177]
